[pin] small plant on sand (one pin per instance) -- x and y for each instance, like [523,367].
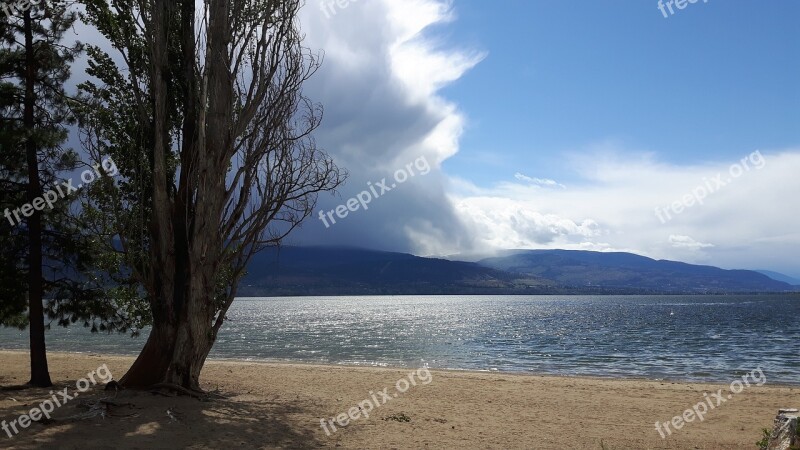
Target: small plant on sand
[762,444]
[399,417]
[796,445]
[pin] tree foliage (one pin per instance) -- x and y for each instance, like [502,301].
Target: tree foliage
[47,272]
[203,112]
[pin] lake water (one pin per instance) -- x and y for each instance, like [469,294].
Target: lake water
[703,338]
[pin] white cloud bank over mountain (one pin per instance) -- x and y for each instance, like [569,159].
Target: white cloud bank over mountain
[750,221]
[380,85]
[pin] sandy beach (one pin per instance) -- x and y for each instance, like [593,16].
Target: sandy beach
[269,405]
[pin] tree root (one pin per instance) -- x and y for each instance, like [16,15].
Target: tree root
[174,390]
[100,407]
[171,388]
[113,385]
[20,387]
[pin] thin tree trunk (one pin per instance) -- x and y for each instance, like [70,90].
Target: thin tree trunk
[40,374]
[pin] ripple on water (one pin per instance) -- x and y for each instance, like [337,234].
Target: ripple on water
[707,338]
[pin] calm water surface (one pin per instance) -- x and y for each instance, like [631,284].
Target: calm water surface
[709,338]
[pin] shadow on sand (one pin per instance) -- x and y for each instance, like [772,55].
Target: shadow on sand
[140,419]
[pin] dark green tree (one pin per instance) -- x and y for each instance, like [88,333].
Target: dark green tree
[46,274]
[212,135]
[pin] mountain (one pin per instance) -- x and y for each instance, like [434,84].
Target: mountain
[780,277]
[611,270]
[350,271]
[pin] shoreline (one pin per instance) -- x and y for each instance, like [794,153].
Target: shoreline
[290,363]
[276,405]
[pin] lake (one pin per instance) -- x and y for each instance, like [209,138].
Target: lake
[701,338]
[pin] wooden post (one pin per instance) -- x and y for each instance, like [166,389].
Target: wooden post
[784,434]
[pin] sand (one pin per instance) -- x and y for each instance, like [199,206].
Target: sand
[270,405]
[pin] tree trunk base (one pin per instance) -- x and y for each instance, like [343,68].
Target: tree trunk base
[170,360]
[172,387]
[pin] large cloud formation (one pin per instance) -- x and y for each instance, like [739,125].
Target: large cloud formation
[380,86]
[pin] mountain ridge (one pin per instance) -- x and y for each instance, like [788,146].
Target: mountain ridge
[620,270]
[781,277]
[321,271]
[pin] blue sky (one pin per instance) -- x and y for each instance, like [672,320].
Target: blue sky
[714,81]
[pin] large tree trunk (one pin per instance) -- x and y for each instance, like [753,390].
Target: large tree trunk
[180,340]
[185,253]
[40,375]
[181,337]
[173,355]
[168,358]
[246,161]
[154,360]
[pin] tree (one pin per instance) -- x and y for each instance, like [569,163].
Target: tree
[213,138]
[47,269]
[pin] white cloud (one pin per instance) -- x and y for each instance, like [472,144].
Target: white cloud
[503,223]
[611,206]
[544,182]
[679,241]
[380,85]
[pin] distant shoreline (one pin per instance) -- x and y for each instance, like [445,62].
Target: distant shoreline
[532,293]
[665,294]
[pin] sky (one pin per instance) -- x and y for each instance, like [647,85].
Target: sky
[609,126]
[469,127]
